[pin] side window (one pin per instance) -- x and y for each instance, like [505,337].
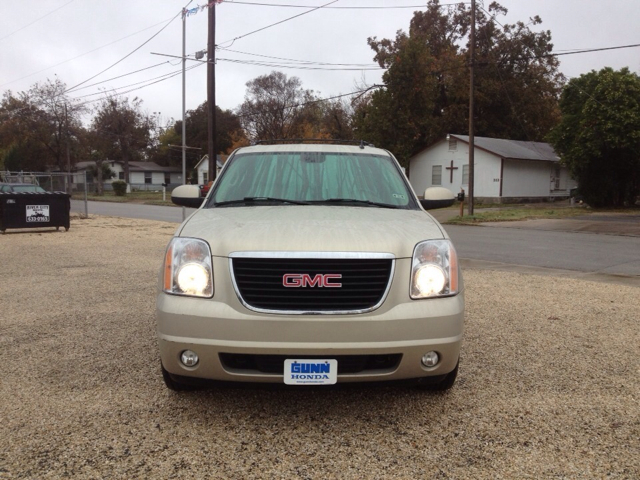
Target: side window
[465,174]
[436,175]
[147,177]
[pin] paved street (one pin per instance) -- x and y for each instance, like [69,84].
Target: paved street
[525,244]
[132,210]
[582,252]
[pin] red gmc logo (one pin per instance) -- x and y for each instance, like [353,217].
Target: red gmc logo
[306,280]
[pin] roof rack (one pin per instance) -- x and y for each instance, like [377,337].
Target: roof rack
[285,141]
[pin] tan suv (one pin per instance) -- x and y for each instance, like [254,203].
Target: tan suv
[309,264]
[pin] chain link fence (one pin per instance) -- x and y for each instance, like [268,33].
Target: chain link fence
[75,184]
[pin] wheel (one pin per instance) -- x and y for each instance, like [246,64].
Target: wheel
[440,386]
[173,384]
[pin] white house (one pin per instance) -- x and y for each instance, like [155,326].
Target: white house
[142,175]
[504,170]
[202,167]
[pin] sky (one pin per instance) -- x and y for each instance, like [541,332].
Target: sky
[76,40]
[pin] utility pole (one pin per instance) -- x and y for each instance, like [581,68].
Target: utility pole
[68,178]
[184,104]
[472,148]
[211,90]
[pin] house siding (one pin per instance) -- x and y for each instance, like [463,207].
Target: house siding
[487,169]
[519,179]
[524,178]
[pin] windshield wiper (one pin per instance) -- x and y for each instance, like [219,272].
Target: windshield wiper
[249,200]
[354,200]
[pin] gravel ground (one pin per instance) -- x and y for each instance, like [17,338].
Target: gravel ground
[548,386]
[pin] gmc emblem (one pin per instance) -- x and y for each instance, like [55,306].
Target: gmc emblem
[306,280]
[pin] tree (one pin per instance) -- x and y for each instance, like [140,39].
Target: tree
[40,128]
[425,93]
[229,133]
[274,107]
[598,137]
[123,130]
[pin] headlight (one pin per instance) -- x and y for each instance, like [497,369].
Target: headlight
[187,268]
[434,270]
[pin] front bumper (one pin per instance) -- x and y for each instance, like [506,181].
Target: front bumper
[222,324]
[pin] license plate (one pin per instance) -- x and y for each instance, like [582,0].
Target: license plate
[310,372]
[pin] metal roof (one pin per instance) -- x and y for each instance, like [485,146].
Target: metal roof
[513,149]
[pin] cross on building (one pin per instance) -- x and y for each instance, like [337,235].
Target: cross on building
[451,169]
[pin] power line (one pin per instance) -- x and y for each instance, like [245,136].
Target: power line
[82,54]
[303,66]
[37,19]
[569,52]
[310,62]
[130,53]
[341,8]
[298,67]
[589,50]
[319,100]
[278,23]
[124,75]
[148,82]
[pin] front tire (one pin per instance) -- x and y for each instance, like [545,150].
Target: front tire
[173,384]
[443,385]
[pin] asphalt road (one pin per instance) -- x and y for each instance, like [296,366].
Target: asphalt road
[582,252]
[132,210]
[530,247]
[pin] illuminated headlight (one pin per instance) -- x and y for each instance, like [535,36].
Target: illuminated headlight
[187,268]
[434,270]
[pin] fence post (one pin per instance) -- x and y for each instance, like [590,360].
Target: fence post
[86,204]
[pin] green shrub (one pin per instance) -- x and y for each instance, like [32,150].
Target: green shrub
[120,188]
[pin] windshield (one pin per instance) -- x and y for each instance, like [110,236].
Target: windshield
[313,177]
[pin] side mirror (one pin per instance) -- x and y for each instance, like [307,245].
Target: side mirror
[437,197]
[187,196]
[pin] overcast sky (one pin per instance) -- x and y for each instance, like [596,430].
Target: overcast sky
[77,39]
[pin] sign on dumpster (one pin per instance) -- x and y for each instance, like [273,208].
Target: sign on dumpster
[38,213]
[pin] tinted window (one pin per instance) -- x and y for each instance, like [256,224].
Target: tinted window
[313,177]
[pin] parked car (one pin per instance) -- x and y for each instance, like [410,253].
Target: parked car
[21,187]
[309,264]
[204,189]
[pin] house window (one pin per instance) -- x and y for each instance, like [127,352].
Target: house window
[120,175]
[436,175]
[557,185]
[453,144]
[465,174]
[147,177]
[167,178]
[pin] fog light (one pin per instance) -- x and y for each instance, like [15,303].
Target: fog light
[430,359]
[189,358]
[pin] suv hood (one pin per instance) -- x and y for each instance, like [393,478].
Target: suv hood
[310,228]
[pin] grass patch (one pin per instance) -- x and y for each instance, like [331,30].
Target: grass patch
[144,198]
[515,214]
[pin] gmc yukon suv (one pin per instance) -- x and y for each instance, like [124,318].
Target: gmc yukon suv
[309,264]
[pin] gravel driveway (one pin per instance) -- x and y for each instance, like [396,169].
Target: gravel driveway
[548,386]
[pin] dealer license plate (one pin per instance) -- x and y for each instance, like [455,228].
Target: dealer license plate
[310,372]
